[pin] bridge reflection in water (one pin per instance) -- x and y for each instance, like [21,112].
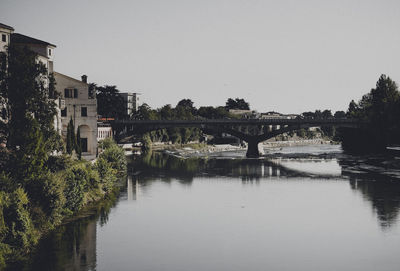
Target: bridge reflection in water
[253,131]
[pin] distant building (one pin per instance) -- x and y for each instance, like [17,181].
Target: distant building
[131,102]
[104,131]
[81,107]
[244,114]
[276,115]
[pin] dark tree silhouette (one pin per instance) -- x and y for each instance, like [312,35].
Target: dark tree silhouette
[110,103]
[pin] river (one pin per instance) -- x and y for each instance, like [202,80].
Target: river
[304,208]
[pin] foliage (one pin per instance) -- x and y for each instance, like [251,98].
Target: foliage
[237,104]
[110,103]
[76,181]
[37,188]
[146,143]
[78,146]
[71,142]
[20,229]
[380,108]
[106,143]
[115,156]
[107,175]
[28,90]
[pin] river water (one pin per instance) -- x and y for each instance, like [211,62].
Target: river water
[303,208]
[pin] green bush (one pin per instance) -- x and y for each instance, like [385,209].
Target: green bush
[106,173]
[58,163]
[20,229]
[106,143]
[53,200]
[115,155]
[76,183]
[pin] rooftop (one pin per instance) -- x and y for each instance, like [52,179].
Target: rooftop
[19,38]
[6,27]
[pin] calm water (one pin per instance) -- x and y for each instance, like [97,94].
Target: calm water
[310,213]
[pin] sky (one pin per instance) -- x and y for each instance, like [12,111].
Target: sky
[288,56]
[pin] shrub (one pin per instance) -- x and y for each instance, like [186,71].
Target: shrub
[115,155]
[58,163]
[106,173]
[21,232]
[106,143]
[76,183]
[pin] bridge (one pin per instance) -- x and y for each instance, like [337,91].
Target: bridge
[253,131]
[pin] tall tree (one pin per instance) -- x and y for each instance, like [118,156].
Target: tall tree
[237,104]
[110,103]
[70,137]
[78,147]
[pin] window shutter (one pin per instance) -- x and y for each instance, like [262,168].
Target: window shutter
[75,93]
[66,93]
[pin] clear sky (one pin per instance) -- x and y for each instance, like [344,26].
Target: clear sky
[287,56]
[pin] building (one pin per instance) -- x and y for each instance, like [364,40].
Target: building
[81,107]
[244,114]
[44,49]
[104,130]
[131,102]
[5,32]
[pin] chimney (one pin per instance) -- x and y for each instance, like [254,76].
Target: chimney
[84,78]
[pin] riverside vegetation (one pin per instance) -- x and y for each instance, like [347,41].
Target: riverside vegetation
[40,183]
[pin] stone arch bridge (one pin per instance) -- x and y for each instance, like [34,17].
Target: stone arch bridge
[253,131]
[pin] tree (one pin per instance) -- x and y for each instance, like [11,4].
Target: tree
[237,104]
[70,137]
[110,103]
[144,112]
[326,114]
[187,103]
[78,146]
[339,115]
[29,91]
[380,108]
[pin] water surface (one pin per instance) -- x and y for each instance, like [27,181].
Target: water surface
[312,213]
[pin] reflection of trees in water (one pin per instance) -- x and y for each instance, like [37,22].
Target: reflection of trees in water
[383,194]
[71,246]
[384,197]
[169,167]
[378,179]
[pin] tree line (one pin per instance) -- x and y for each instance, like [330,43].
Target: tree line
[380,108]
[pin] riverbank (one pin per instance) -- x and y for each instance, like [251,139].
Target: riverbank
[203,150]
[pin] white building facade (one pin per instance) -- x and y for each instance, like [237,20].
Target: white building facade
[131,102]
[80,106]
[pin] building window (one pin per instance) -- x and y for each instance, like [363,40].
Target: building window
[4,37]
[70,93]
[49,52]
[64,112]
[84,111]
